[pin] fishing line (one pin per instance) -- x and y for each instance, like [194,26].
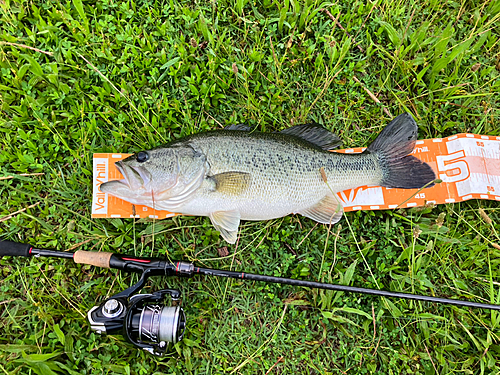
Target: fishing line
[361,252]
[471,227]
[339,207]
[436,181]
[144,120]
[435,319]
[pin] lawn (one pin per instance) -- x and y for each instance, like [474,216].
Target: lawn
[80,77]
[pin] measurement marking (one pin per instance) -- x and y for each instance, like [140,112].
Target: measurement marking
[485,167]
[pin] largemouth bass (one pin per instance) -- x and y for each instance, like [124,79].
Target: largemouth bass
[237,174]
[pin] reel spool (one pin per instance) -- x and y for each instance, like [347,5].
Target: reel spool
[156,324]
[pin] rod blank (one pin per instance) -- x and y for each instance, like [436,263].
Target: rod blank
[153,266]
[343,288]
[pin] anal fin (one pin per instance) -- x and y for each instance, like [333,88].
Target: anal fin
[329,210]
[227,223]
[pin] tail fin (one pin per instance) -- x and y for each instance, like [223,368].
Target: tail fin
[392,147]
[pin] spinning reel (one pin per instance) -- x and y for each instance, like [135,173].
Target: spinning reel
[142,318]
[146,321]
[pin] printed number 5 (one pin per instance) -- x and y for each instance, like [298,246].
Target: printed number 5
[458,170]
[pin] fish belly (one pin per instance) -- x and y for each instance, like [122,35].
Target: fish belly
[265,199]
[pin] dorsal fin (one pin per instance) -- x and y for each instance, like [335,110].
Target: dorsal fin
[315,134]
[241,127]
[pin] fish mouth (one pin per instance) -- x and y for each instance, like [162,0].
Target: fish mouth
[133,177]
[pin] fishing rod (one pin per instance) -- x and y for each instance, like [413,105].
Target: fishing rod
[146,321]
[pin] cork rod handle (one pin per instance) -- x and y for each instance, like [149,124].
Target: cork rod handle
[98,259]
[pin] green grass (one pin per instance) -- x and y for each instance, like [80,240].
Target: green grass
[162,70]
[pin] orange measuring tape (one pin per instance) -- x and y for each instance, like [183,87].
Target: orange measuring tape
[467,164]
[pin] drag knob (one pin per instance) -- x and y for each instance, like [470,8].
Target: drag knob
[112,308]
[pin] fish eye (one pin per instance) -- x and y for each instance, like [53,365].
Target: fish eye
[142,156]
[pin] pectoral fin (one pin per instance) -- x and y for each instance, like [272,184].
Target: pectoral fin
[329,210]
[232,183]
[227,223]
